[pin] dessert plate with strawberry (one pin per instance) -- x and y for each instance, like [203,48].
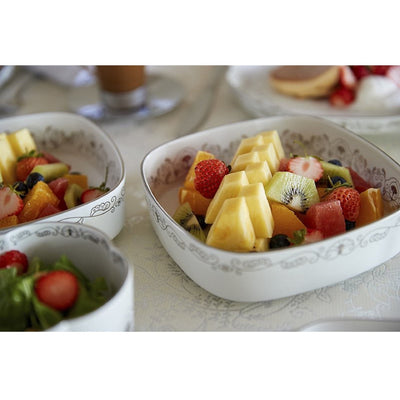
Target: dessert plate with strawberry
[273,207]
[59,167]
[365,99]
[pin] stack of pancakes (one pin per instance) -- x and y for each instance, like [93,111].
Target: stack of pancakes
[305,81]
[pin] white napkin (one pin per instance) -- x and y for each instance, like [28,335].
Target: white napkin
[68,75]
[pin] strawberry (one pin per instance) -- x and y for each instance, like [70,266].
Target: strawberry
[25,165]
[360,71]
[91,194]
[394,74]
[283,164]
[349,201]
[379,69]
[57,289]
[347,78]
[309,167]
[208,176]
[14,258]
[10,202]
[342,97]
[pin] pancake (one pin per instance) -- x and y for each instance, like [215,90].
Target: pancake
[305,81]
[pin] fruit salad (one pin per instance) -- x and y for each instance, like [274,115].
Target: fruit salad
[265,200]
[36,296]
[35,184]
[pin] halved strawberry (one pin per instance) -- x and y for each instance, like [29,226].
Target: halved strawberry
[91,194]
[349,201]
[57,289]
[308,167]
[25,165]
[342,97]
[14,258]
[347,78]
[208,176]
[10,202]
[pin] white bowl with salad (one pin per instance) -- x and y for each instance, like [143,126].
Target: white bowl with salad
[60,167]
[63,277]
[266,274]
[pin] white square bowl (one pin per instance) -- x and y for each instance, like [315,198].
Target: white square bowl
[92,252]
[278,273]
[89,150]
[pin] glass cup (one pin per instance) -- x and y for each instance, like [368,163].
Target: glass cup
[122,87]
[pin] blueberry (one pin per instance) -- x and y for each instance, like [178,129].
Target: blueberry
[350,225]
[33,179]
[21,188]
[337,179]
[336,162]
[278,241]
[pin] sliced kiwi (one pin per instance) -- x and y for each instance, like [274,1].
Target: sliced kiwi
[51,171]
[296,192]
[184,217]
[331,170]
[72,195]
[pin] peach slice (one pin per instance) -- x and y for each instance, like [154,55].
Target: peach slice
[285,220]
[371,208]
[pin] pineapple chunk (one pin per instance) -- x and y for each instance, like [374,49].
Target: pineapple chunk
[243,160]
[7,160]
[21,142]
[260,211]
[246,145]
[229,187]
[273,137]
[232,229]
[258,172]
[267,153]
[261,244]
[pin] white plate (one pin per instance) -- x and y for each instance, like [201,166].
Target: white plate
[278,273]
[254,92]
[89,150]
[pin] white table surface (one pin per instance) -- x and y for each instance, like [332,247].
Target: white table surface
[165,298]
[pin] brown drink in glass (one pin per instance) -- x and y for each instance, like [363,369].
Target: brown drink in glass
[122,86]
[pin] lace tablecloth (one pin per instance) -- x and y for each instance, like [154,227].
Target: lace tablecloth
[165,298]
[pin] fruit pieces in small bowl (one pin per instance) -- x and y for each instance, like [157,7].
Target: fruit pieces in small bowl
[83,176]
[258,276]
[65,277]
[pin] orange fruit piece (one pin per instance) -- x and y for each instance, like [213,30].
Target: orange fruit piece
[200,156]
[198,202]
[37,198]
[285,220]
[79,179]
[11,220]
[371,207]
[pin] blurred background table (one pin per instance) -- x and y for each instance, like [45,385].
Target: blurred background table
[165,298]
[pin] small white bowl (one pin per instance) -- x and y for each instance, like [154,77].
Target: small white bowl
[92,253]
[278,273]
[89,150]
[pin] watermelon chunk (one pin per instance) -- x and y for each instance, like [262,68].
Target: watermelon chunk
[327,217]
